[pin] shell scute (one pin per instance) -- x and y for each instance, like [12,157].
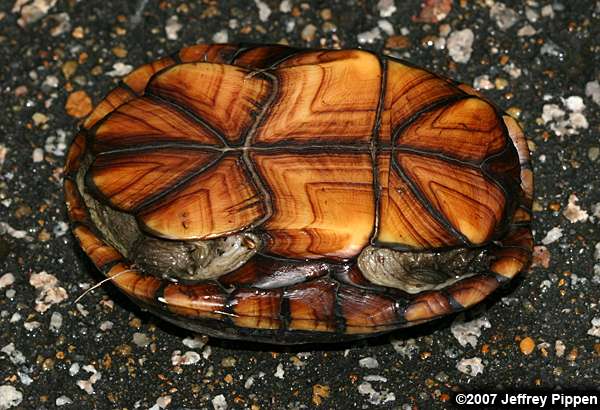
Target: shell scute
[228,101]
[145,122]
[312,196]
[218,201]
[324,100]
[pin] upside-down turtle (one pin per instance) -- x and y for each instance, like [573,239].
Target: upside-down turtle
[288,195]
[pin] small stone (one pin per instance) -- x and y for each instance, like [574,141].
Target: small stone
[559,347]
[74,369]
[39,118]
[119,52]
[326,14]
[368,363]
[38,155]
[221,37]
[575,103]
[141,339]
[285,6]
[541,257]
[9,397]
[374,397]
[433,11]
[120,69]
[69,68]
[551,112]
[531,14]
[505,17]
[264,11]
[467,333]
[106,325]
[6,280]
[472,367]
[62,24]
[56,321]
[501,83]
[527,345]
[386,8]
[32,11]
[172,27]
[279,373]
[370,36]
[593,153]
[195,342]
[386,27]
[78,32]
[163,401]
[308,33]
[592,90]
[397,42]
[188,358]
[79,104]
[228,362]
[219,402]
[483,82]
[595,329]
[460,45]
[573,212]
[62,400]
[319,393]
[526,31]
[548,11]
[553,235]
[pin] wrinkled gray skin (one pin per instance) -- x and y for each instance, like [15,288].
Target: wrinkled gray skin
[415,272]
[411,272]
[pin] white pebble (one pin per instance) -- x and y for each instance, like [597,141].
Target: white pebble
[188,358]
[285,6]
[6,280]
[573,212]
[264,11]
[9,397]
[595,329]
[386,7]
[196,342]
[526,31]
[575,103]
[221,36]
[386,26]
[553,235]
[62,400]
[38,155]
[505,17]
[141,339]
[472,367]
[370,36]
[120,69]
[172,27]
[460,45]
[74,369]
[219,402]
[56,321]
[592,90]
[279,373]
[368,362]
[467,333]
[106,325]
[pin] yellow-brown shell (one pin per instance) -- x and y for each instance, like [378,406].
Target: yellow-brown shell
[325,152]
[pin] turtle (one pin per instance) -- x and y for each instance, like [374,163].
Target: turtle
[286,195]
